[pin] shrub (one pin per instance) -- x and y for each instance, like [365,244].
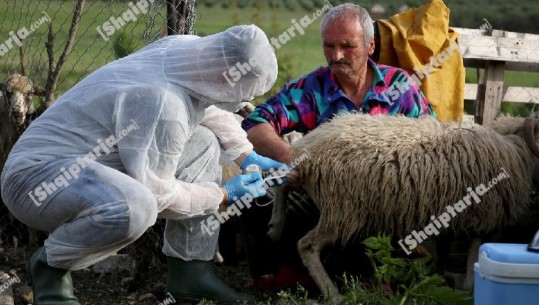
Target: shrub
[125,44]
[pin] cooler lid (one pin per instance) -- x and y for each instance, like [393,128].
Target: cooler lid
[508,260]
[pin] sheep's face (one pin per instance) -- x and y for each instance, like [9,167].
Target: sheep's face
[530,133]
[19,106]
[18,94]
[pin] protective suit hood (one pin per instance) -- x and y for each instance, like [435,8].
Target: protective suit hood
[222,69]
[231,66]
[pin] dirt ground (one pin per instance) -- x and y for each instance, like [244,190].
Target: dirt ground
[119,288]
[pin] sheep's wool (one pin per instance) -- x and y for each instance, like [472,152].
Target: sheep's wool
[391,174]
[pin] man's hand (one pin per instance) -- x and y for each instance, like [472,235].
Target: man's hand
[240,185]
[264,163]
[267,142]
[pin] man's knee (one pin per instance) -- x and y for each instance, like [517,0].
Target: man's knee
[204,139]
[200,158]
[204,134]
[141,213]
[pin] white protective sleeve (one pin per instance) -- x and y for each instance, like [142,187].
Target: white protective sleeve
[228,130]
[151,153]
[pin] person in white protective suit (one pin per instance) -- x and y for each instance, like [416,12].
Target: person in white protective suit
[140,138]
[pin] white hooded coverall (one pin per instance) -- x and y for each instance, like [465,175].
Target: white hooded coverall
[137,139]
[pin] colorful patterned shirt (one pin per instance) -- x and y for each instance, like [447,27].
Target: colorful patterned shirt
[306,102]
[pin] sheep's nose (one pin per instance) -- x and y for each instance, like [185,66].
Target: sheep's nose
[18,117]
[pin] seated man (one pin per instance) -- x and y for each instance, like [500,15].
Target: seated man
[350,82]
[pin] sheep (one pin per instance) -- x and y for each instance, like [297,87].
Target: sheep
[16,107]
[372,174]
[17,98]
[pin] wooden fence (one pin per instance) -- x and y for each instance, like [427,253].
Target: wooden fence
[496,52]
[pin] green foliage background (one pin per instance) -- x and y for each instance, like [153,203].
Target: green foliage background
[298,56]
[518,16]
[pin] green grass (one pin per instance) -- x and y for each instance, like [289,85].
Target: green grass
[306,50]
[298,56]
[91,51]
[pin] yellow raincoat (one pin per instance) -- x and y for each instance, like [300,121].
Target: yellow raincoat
[420,42]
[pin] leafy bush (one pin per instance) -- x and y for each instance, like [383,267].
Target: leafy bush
[125,44]
[210,3]
[306,4]
[409,280]
[274,4]
[243,3]
[290,4]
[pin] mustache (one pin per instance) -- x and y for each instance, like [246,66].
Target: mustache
[340,62]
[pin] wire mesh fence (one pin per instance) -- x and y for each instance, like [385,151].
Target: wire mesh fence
[106,30]
[46,47]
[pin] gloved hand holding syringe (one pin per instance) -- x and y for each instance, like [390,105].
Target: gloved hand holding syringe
[251,180]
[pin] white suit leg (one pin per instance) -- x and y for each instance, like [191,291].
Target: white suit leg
[94,216]
[185,238]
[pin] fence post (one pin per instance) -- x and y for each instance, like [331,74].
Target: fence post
[490,99]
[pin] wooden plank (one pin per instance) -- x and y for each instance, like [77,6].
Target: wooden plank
[509,66]
[470,91]
[499,48]
[493,92]
[504,46]
[490,102]
[479,32]
[521,94]
[510,94]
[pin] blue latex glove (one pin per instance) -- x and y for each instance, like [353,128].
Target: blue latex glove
[264,163]
[243,184]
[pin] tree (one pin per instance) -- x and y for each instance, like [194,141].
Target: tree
[181,17]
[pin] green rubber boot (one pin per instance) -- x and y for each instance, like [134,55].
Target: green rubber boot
[51,286]
[193,281]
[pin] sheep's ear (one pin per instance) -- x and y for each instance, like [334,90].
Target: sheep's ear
[531,135]
[19,83]
[12,82]
[31,108]
[28,86]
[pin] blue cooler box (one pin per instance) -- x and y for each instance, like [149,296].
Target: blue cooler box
[506,274]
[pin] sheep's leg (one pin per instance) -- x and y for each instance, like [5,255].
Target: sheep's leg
[278,216]
[472,258]
[309,248]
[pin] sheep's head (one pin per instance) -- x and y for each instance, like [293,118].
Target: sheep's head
[531,134]
[527,128]
[17,91]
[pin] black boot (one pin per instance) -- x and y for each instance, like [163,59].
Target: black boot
[192,281]
[51,286]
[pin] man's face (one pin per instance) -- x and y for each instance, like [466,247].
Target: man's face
[344,47]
